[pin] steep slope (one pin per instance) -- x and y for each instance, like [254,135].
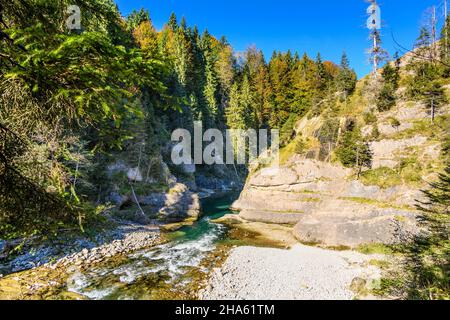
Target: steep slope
[329,204]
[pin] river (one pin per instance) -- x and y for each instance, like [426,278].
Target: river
[172,270]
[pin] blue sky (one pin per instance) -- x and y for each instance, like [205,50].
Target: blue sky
[300,25]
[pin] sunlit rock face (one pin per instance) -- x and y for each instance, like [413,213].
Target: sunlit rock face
[326,205]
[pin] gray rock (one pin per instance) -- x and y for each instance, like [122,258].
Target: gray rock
[154,200]
[353,227]
[271,217]
[118,199]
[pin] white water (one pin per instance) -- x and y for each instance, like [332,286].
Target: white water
[171,260]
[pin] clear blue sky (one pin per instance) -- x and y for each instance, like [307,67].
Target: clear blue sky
[300,25]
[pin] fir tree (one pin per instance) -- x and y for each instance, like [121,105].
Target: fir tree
[346,79]
[173,22]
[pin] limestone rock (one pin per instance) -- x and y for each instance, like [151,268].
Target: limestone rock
[353,225]
[180,203]
[384,151]
[271,216]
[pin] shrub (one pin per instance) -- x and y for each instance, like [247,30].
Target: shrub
[394,122]
[386,98]
[369,118]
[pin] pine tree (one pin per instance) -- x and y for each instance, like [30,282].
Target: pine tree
[387,96]
[354,151]
[136,18]
[280,79]
[211,85]
[173,22]
[424,39]
[321,77]
[235,112]
[428,256]
[303,85]
[225,69]
[445,42]
[377,54]
[346,79]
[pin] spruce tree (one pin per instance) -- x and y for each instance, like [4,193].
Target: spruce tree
[173,22]
[346,79]
[387,96]
[235,113]
[211,82]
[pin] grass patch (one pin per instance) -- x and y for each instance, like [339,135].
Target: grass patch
[425,127]
[383,177]
[309,191]
[409,172]
[310,199]
[379,204]
[287,211]
[382,264]
[300,146]
[375,248]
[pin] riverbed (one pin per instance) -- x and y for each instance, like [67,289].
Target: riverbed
[169,271]
[205,260]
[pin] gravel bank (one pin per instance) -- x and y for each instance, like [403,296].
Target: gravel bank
[81,252]
[301,273]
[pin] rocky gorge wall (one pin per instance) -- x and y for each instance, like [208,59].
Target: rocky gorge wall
[327,204]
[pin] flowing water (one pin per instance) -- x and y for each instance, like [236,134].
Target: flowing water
[171,270]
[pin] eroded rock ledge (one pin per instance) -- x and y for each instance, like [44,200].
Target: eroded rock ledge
[325,206]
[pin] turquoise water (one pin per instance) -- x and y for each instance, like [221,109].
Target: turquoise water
[212,208]
[166,271]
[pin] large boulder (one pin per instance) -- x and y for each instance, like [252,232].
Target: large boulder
[180,204]
[352,225]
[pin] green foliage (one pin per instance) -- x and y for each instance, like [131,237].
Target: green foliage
[287,131]
[136,18]
[425,273]
[376,248]
[370,118]
[375,134]
[425,84]
[301,147]
[346,79]
[383,177]
[394,122]
[391,75]
[386,98]
[353,151]
[66,96]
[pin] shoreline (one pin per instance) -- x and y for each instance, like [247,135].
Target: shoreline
[67,249]
[41,272]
